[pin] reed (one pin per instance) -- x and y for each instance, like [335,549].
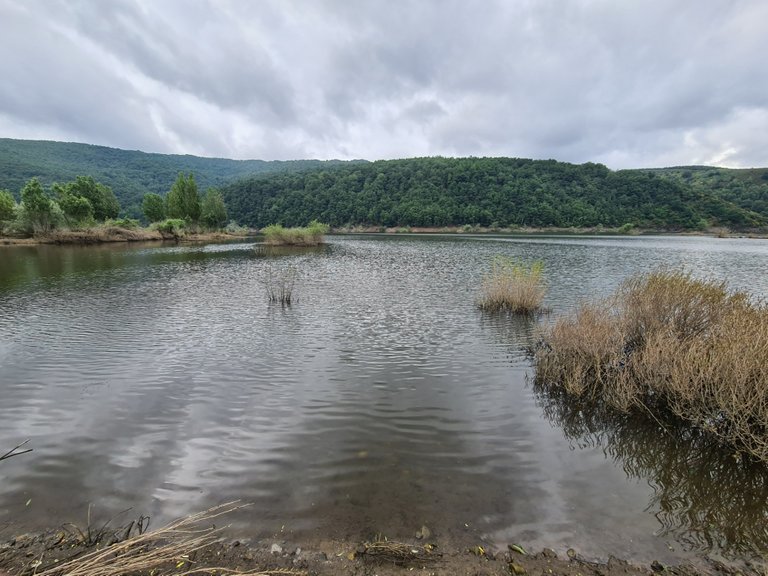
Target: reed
[667,343]
[280,284]
[514,286]
[311,235]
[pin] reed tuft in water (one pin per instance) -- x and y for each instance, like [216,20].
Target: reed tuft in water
[667,343]
[280,284]
[514,286]
[311,235]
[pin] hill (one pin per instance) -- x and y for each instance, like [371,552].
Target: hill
[485,191]
[130,174]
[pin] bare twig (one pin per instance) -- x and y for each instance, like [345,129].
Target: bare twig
[15,451]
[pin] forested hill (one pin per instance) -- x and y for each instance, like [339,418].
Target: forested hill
[485,191]
[130,174]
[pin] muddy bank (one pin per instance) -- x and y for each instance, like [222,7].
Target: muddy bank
[27,555]
[116,234]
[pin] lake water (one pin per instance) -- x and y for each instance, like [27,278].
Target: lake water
[160,378]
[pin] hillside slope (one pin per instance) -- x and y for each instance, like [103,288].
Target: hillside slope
[129,173]
[485,191]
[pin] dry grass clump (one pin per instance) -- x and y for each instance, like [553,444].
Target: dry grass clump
[513,286]
[396,552]
[667,342]
[165,551]
[310,235]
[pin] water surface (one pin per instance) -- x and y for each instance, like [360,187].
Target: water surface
[160,378]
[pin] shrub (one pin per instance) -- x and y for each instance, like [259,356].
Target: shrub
[668,343]
[127,223]
[514,286]
[175,227]
[311,235]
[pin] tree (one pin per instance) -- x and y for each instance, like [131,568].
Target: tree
[77,209]
[213,210]
[38,208]
[183,201]
[153,207]
[7,206]
[101,197]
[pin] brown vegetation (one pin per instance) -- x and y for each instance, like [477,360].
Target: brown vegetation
[513,286]
[669,343]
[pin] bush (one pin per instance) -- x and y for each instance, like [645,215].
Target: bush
[127,223]
[311,235]
[668,343]
[175,227]
[513,286]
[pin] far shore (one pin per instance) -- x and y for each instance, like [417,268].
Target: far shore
[102,235]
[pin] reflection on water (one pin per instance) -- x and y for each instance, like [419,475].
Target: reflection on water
[160,378]
[701,494]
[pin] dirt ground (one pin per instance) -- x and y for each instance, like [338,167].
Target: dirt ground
[32,554]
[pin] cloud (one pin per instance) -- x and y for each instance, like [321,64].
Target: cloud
[628,84]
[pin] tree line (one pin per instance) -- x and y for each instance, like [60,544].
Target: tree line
[84,202]
[503,192]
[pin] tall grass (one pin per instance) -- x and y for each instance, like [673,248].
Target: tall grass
[514,286]
[310,235]
[666,342]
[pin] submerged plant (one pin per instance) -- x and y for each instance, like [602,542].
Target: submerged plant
[279,284]
[513,285]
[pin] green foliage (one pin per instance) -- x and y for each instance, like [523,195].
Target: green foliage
[77,209]
[7,206]
[153,207]
[213,211]
[101,197]
[183,201]
[311,235]
[234,228]
[172,226]
[131,174]
[127,223]
[39,213]
[479,191]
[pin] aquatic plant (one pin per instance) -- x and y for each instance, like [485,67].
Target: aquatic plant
[310,235]
[279,283]
[513,285]
[669,344]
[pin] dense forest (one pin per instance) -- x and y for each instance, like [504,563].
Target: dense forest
[131,174]
[413,192]
[484,191]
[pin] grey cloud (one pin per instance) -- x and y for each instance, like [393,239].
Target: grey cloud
[629,83]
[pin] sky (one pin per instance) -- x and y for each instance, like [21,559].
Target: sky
[628,83]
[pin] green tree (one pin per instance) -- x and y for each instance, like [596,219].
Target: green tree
[101,197]
[77,209]
[213,210]
[39,210]
[153,207]
[7,206]
[183,201]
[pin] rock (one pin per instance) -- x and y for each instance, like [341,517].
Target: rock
[657,566]
[276,549]
[549,553]
[516,568]
[298,551]
[571,553]
[424,533]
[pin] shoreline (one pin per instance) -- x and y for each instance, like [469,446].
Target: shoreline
[28,554]
[116,235]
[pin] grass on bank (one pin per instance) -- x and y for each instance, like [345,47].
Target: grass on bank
[514,286]
[311,235]
[666,342]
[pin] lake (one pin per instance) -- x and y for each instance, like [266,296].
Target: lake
[159,378]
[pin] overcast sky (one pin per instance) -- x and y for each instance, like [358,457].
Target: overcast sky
[629,83]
